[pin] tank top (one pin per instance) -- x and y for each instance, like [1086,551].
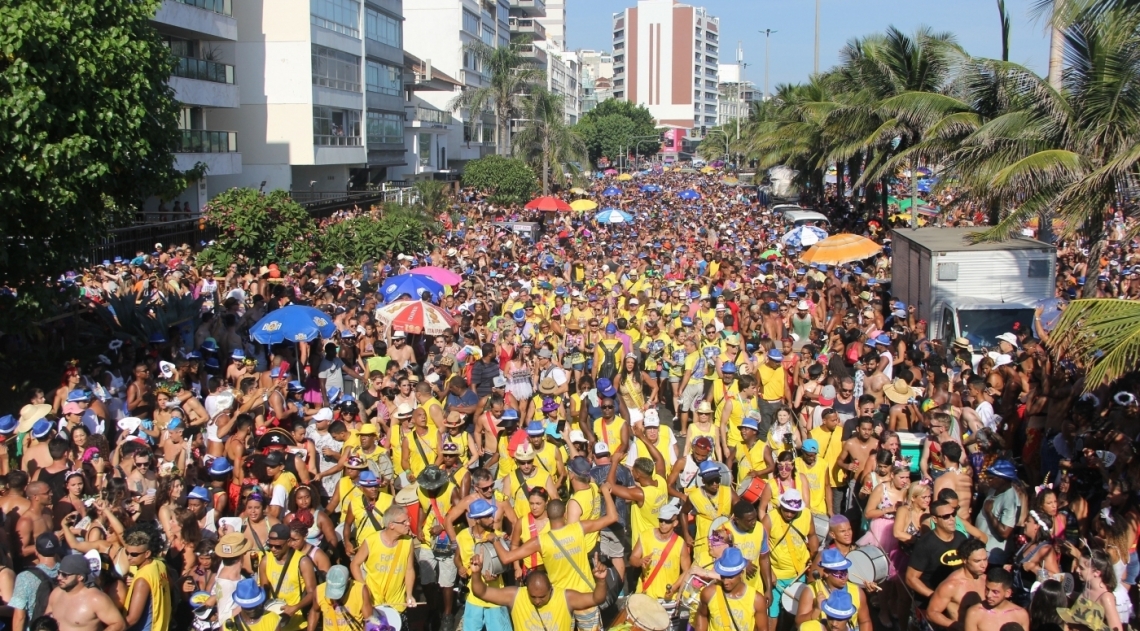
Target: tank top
[751,545]
[742,610]
[156,615]
[708,509]
[644,517]
[670,564]
[385,570]
[224,592]
[531,530]
[591,502]
[292,586]
[554,615]
[519,490]
[789,553]
[567,561]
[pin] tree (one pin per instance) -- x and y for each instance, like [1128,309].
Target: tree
[608,136]
[507,180]
[262,227]
[1102,334]
[641,124]
[545,140]
[393,228]
[512,76]
[89,127]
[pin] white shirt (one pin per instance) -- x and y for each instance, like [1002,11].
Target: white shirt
[985,412]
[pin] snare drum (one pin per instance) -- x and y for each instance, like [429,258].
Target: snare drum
[790,600]
[691,593]
[822,527]
[868,564]
[276,606]
[751,489]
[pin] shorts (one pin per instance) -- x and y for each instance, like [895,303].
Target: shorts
[476,618]
[434,569]
[781,585]
[690,395]
[588,619]
[655,374]
[676,380]
[611,545]
[1132,570]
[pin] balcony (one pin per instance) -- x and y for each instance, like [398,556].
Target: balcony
[527,26]
[534,53]
[336,141]
[217,150]
[198,19]
[225,7]
[203,70]
[529,8]
[427,117]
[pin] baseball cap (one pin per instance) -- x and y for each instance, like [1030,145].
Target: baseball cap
[279,531]
[74,565]
[336,582]
[47,545]
[323,414]
[601,448]
[669,510]
[579,466]
[827,396]
[811,446]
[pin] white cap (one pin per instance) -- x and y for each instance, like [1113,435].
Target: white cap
[323,414]
[1008,337]
[499,382]
[404,409]
[652,418]
[802,305]
[601,448]
[576,436]
[792,500]
[669,510]
[633,301]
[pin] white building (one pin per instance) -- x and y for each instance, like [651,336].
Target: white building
[736,94]
[597,76]
[665,58]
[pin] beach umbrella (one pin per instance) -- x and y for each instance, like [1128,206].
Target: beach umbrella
[412,284]
[924,186]
[767,254]
[583,204]
[415,317]
[707,170]
[578,190]
[841,248]
[802,236]
[650,188]
[548,204]
[730,181]
[613,215]
[438,274]
[610,171]
[689,194]
[294,323]
[624,177]
[611,191]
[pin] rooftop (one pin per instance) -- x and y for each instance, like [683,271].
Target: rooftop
[955,239]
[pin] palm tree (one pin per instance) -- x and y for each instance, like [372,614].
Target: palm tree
[546,140]
[1102,334]
[512,77]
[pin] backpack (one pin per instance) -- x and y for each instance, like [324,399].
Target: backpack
[609,367]
[43,592]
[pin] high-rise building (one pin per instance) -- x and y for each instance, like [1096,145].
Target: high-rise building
[597,76]
[665,58]
[736,94]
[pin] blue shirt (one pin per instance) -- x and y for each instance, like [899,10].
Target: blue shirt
[27,584]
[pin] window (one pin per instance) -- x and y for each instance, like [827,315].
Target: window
[336,69]
[708,84]
[472,62]
[619,46]
[471,23]
[619,34]
[619,83]
[382,28]
[696,95]
[385,129]
[335,127]
[503,13]
[619,58]
[488,134]
[619,95]
[504,41]
[385,79]
[342,16]
[425,149]
[488,35]
[1039,269]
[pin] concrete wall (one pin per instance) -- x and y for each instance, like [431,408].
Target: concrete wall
[199,21]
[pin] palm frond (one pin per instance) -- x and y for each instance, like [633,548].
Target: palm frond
[1101,333]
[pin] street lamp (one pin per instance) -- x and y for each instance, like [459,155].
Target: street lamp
[767,36]
[815,66]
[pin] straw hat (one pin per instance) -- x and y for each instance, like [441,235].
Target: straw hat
[899,391]
[29,414]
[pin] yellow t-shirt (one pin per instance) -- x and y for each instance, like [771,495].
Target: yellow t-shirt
[830,446]
[816,478]
[590,500]
[653,548]
[554,615]
[154,574]
[292,586]
[749,461]
[772,382]
[466,542]
[385,571]
[561,565]
[433,511]
[644,517]
[361,523]
[518,492]
[429,443]
[335,617]
[789,551]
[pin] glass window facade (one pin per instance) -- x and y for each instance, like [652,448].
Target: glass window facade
[384,79]
[382,28]
[385,129]
[336,69]
[336,127]
[342,16]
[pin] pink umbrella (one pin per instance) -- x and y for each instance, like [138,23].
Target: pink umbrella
[610,172]
[438,274]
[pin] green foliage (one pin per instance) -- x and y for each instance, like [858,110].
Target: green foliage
[89,127]
[599,137]
[545,140]
[262,227]
[508,180]
[398,229]
[512,76]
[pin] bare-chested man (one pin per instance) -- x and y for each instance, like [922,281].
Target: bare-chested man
[14,504]
[995,609]
[77,607]
[399,350]
[35,522]
[877,380]
[236,445]
[860,448]
[956,477]
[962,589]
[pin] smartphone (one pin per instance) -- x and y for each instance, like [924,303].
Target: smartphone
[234,523]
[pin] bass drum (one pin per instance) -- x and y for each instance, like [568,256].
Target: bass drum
[868,565]
[751,489]
[790,600]
[822,528]
[491,563]
[725,474]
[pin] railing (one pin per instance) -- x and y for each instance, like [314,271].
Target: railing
[203,70]
[529,5]
[533,52]
[128,241]
[427,115]
[323,204]
[203,141]
[527,25]
[224,7]
[336,141]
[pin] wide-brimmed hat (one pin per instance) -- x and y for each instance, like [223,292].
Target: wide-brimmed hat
[355,462]
[524,453]
[899,391]
[704,407]
[231,546]
[547,386]
[431,478]
[29,414]
[1003,469]
[1085,613]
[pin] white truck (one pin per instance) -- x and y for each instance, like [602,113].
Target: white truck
[972,290]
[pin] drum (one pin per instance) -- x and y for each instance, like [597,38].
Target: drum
[276,606]
[691,593]
[725,474]
[491,563]
[382,467]
[644,614]
[822,527]
[751,489]
[790,600]
[868,565]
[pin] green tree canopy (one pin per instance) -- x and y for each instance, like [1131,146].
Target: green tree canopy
[601,143]
[89,127]
[263,227]
[508,180]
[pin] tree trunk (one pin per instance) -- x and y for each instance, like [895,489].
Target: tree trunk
[884,191]
[1096,234]
[995,212]
[840,187]
[545,167]
[1056,50]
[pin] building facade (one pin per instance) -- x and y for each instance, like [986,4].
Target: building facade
[736,94]
[597,75]
[665,57]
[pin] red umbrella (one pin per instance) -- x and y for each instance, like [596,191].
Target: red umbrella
[548,204]
[414,317]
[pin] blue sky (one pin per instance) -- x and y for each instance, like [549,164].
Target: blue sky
[974,22]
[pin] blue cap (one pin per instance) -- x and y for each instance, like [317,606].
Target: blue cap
[606,387]
[728,368]
[695,294]
[560,291]
[750,423]
[334,394]
[833,559]
[248,594]
[198,493]
[811,446]
[775,355]
[686,321]
[611,328]
[41,428]
[872,281]
[220,466]
[732,562]
[296,386]
[708,468]
[510,414]
[519,315]
[858,270]
[275,372]
[1003,469]
[535,428]
[552,431]
[237,354]
[839,605]
[76,396]
[367,479]
[175,423]
[8,424]
[480,508]
[157,338]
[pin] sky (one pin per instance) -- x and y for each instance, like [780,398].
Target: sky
[974,22]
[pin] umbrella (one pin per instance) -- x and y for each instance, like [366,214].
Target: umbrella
[650,188]
[414,317]
[730,181]
[295,323]
[1051,309]
[767,254]
[578,190]
[439,275]
[583,204]
[611,191]
[624,177]
[689,194]
[613,215]
[411,284]
[924,172]
[548,204]
[707,170]
[841,248]
[610,171]
[924,186]
[802,236]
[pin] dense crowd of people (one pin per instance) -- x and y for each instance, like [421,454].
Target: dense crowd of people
[669,423]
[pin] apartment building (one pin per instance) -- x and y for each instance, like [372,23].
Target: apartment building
[665,57]
[736,94]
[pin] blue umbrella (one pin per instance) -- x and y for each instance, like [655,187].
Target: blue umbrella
[650,188]
[804,236]
[611,191]
[1051,310]
[412,284]
[689,194]
[924,185]
[294,323]
[613,215]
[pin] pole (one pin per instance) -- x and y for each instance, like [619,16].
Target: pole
[767,37]
[815,66]
[914,193]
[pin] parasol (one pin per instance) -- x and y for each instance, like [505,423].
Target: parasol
[611,191]
[624,177]
[583,204]
[412,284]
[548,204]
[803,236]
[841,248]
[415,317]
[438,274]
[294,323]
[613,215]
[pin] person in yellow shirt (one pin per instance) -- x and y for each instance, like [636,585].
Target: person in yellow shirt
[346,488]
[649,493]
[435,555]
[750,453]
[432,407]
[538,604]
[479,614]
[385,562]
[421,445]
[663,556]
[731,604]
[610,428]
[837,612]
[793,543]
[525,476]
[815,600]
[340,602]
[661,437]
[290,577]
[365,510]
[251,598]
[283,483]
[547,455]
[829,436]
[818,475]
[710,500]
[148,601]
[752,540]
[773,389]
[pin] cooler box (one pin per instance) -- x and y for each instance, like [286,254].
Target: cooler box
[912,447]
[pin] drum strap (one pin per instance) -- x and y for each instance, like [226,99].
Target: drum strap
[569,559]
[284,571]
[660,562]
[420,447]
[533,535]
[728,609]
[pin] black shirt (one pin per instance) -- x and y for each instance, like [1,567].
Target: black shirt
[935,559]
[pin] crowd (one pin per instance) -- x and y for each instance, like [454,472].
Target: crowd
[670,423]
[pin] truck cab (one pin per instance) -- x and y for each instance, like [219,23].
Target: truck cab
[979,320]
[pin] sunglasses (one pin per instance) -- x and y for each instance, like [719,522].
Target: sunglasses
[135,554]
[946,516]
[275,546]
[607,407]
[837,573]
